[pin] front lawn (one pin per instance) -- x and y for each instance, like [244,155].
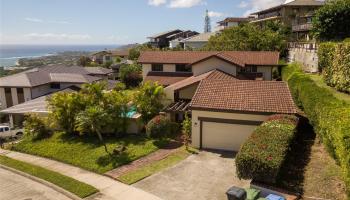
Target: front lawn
[76,187]
[87,152]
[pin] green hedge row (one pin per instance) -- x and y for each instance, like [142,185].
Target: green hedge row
[334,62]
[262,155]
[329,116]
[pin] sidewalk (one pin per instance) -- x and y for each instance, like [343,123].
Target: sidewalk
[109,188]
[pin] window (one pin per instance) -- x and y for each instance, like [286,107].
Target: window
[55,86]
[250,69]
[157,67]
[1,130]
[7,129]
[20,95]
[183,68]
[107,58]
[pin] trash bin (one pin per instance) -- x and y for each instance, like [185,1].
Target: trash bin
[236,193]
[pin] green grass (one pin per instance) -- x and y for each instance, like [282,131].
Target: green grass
[87,152]
[319,82]
[143,172]
[76,187]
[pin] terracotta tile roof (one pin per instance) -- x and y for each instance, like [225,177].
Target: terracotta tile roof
[55,73]
[189,57]
[213,74]
[166,78]
[243,95]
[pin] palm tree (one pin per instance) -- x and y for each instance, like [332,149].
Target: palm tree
[92,120]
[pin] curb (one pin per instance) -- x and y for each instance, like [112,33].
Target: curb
[46,183]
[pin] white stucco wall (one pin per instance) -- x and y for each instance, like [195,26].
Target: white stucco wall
[188,92]
[14,96]
[145,69]
[267,72]
[220,115]
[213,63]
[195,45]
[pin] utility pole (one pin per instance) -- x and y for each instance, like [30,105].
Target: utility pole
[207,26]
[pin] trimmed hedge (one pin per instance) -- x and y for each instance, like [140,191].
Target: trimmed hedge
[329,116]
[262,155]
[334,61]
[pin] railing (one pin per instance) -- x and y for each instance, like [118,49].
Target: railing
[251,75]
[302,27]
[303,45]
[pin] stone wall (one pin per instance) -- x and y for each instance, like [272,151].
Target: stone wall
[305,55]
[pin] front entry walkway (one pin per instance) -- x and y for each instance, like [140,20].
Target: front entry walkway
[207,175]
[109,188]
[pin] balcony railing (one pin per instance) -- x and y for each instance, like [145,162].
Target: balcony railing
[302,27]
[309,46]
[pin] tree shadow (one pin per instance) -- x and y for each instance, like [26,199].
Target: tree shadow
[291,176]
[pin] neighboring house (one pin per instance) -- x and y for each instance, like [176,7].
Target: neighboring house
[226,112]
[19,88]
[177,38]
[198,41]
[168,67]
[105,56]
[161,40]
[232,22]
[295,14]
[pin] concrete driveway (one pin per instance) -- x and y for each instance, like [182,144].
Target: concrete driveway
[207,175]
[14,186]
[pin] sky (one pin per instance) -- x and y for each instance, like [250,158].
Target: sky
[111,21]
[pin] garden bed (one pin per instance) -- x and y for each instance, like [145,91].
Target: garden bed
[87,152]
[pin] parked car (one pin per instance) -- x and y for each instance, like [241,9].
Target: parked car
[6,132]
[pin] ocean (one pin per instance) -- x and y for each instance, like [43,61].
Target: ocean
[9,54]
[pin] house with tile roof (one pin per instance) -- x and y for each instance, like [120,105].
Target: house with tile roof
[231,22]
[227,94]
[169,67]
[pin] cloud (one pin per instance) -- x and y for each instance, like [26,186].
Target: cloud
[215,14]
[156,2]
[256,5]
[185,3]
[37,20]
[55,36]
[243,4]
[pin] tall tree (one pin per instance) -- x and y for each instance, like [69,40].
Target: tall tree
[149,100]
[332,21]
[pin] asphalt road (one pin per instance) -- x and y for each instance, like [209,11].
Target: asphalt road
[17,187]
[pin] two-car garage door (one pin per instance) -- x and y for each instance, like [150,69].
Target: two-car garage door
[228,135]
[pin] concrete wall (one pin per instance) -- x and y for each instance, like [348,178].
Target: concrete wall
[220,115]
[308,58]
[188,92]
[213,63]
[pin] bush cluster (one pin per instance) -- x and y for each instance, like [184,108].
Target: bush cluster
[329,116]
[334,61]
[262,155]
[160,126]
[36,126]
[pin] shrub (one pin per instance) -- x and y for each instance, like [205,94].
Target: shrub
[262,155]
[329,116]
[36,126]
[160,126]
[325,55]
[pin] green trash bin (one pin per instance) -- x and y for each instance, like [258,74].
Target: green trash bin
[252,194]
